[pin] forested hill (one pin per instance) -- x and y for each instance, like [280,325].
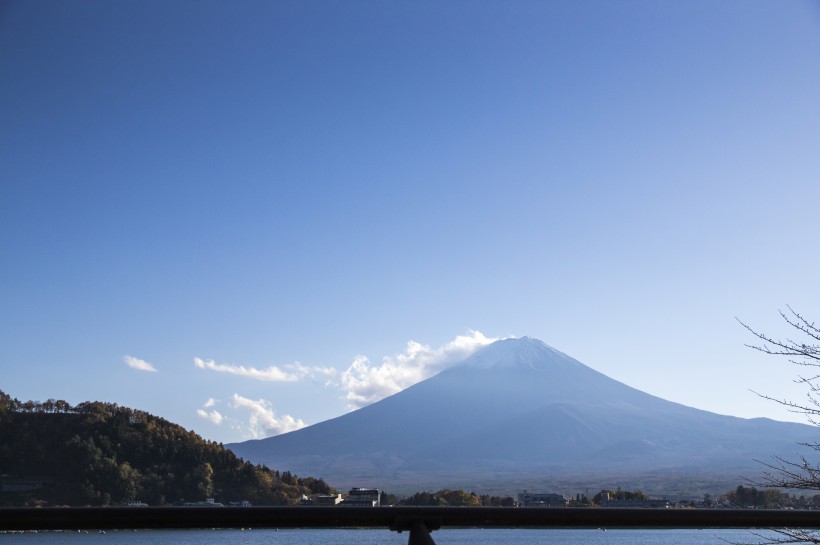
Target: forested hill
[95,453]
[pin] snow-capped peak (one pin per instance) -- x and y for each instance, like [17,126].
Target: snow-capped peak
[522,352]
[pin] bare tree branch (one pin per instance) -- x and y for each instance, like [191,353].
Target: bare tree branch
[789,347]
[787,535]
[779,472]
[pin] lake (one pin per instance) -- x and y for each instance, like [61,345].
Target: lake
[384,537]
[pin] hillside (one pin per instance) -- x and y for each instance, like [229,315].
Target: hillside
[520,414]
[102,454]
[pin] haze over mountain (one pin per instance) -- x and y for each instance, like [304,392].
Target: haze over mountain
[519,414]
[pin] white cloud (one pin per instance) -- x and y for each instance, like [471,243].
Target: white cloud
[138,364]
[365,384]
[312,372]
[291,372]
[263,421]
[362,382]
[272,373]
[213,416]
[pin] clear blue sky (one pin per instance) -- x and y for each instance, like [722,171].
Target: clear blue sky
[261,184]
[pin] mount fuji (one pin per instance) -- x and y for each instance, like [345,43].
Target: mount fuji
[520,414]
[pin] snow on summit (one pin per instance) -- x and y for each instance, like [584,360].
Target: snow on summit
[522,352]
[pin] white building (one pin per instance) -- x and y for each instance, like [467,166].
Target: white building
[363,497]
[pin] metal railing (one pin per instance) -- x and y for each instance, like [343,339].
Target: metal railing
[418,521]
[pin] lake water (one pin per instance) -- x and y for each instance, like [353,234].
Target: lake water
[385,537]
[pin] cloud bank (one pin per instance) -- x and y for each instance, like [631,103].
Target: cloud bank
[291,372]
[260,420]
[364,383]
[213,416]
[263,421]
[361,384]
[138,364]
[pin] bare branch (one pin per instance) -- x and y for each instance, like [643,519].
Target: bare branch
[802,324]
[782,536]
[794,407]
[788,347]
[779,472]
[788,535]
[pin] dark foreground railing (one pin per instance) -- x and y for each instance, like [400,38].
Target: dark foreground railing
[419,521]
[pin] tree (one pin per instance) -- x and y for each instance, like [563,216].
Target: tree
[800,474]
[7,405]
[202,477]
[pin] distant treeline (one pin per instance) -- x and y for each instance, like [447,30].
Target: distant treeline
[768,498]
[447,497]
[742,496]
[93,453]
[460,498]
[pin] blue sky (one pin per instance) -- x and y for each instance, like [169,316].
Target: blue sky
[266,201]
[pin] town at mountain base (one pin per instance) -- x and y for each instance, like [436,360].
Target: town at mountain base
[519,414]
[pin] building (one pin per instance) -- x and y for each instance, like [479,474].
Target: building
[207,503]
[322,499]
[363,497]
[528,499]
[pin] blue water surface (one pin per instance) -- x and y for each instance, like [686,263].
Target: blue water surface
[493,536]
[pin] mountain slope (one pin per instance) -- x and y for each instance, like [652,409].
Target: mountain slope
[516,409]
[101,454]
